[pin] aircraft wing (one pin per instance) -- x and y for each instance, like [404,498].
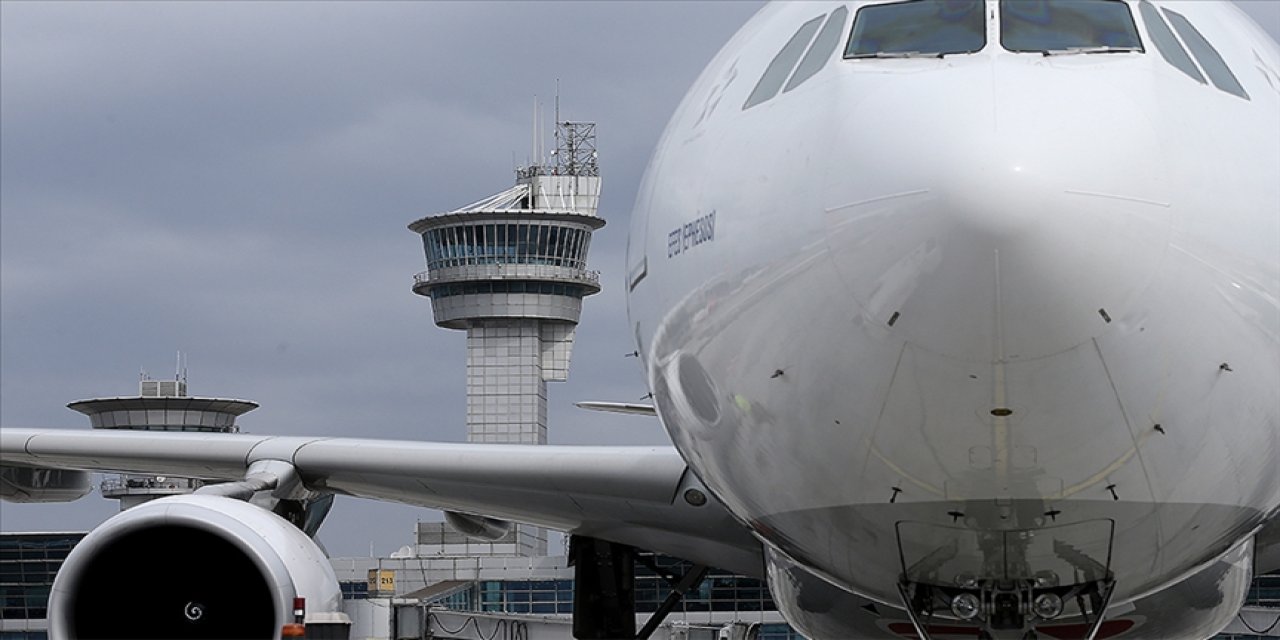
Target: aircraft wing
[631,495]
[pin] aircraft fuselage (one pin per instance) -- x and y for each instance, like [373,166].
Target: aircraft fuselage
[980,302]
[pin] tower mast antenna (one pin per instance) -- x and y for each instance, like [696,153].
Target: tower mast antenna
[555,128]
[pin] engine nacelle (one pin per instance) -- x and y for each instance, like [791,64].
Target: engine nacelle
[478,527]
[37,484]
[190,567]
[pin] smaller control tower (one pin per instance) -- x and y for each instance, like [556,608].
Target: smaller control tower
[161,405]
[511,270]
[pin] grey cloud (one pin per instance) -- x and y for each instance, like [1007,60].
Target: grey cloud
[234,180]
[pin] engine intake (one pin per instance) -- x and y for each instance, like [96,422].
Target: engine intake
[189,567]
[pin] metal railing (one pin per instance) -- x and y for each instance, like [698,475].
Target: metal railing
[503,271]
[506,260]
[125,484]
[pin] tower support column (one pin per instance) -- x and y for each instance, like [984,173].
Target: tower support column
[506,391]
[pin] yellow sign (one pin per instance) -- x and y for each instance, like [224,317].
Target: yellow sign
[382,581]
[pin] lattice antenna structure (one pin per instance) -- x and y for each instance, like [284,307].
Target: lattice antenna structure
[576,149]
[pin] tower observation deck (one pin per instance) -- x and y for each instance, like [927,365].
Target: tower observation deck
[521,253]
[161,405]
[511,270]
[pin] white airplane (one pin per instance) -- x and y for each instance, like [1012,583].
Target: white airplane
[963,317]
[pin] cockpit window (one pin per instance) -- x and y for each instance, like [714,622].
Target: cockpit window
[820,51]
[917,28]
[1166,43]
[1210,60]
[778,70]
[1068,26]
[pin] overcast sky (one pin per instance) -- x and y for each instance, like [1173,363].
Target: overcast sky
[233,180]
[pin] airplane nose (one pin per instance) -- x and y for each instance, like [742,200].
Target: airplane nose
[1024,199]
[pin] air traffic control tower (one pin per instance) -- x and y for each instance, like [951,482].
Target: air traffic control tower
[511,270]
[161,405]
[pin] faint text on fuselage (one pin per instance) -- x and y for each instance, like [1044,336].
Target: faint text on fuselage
[691,234]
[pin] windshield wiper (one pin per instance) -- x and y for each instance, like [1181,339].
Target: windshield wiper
[1093,49]
[894,54]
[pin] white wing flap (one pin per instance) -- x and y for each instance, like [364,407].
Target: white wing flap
[627,408]
[632,495]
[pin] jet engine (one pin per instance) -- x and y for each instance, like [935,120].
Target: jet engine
[35,484]
[478,527]
[192,566]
